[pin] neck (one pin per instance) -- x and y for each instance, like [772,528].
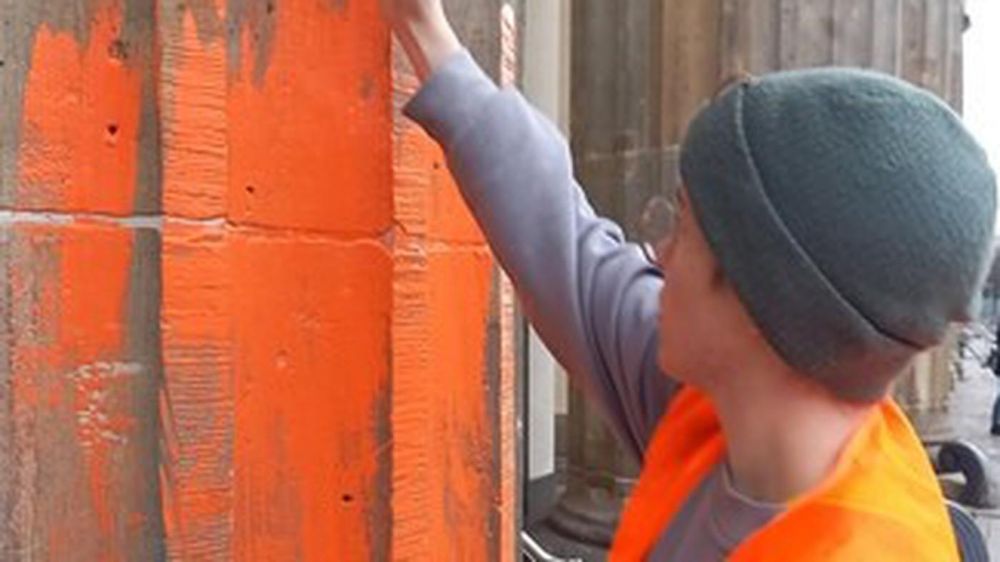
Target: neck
[783,437]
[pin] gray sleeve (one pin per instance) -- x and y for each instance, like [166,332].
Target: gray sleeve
[592,297]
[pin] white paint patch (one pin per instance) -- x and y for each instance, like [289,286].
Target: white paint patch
[97,423]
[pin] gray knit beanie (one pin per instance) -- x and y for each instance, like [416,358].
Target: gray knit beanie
[853,214]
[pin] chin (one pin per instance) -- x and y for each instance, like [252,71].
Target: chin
[672,368]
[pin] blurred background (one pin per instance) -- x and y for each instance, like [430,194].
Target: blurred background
[653,63]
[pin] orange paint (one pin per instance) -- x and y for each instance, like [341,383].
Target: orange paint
[310,139]
[308,201]
[311,383]
[195,125]
[277,331]
[77,394]
[80,122]
[461,427]
[83,425]
[197,405]
[452,415]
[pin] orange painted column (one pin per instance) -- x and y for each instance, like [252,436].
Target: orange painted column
[243,312]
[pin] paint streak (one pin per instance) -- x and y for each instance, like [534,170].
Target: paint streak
[61,164]
[314,156]
[81,421]
[442,470]
[193,105]
[460,281]
[450,378]
[94,276]
[95,63]
[292,368]
[313,331]
[197,402]
[79,431]
[275,410]
[309,199]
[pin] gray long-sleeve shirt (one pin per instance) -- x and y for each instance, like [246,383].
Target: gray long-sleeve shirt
[592,296]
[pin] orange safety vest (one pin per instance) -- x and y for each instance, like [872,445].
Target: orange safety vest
[881,503]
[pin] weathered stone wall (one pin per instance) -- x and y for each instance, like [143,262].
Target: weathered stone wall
[243,312]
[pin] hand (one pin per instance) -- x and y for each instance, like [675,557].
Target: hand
[424,32]
[402,11]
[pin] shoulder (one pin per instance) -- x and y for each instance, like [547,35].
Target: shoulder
[831,533]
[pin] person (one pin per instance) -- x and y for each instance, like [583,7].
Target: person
[832,224]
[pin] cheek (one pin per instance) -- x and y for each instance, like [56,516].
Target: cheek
[679,300]
[677,295]
[676,318]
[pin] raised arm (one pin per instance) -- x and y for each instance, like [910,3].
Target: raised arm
[592,297]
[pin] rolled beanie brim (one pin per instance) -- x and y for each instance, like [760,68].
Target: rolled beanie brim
[800,312]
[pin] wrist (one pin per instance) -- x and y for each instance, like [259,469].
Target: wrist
[428,40]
